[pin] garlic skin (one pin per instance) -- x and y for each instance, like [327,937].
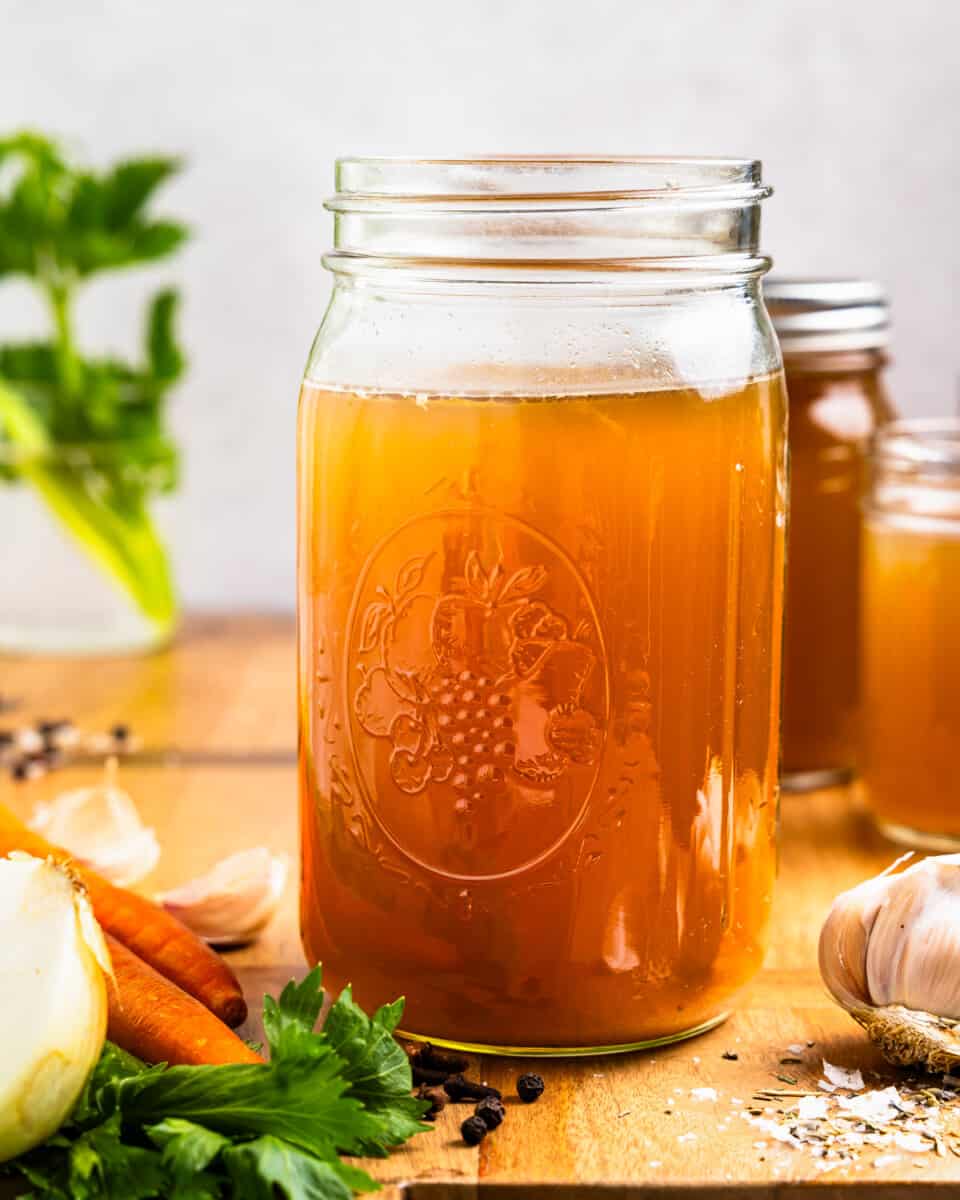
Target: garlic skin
[101,826]
[890,955]
[233,902]
[53,1003]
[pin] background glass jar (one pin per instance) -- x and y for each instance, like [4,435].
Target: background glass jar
[911,633]
[833,334]
[541,509]
[86,568]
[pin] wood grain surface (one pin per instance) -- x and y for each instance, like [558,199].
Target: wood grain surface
[626,1122]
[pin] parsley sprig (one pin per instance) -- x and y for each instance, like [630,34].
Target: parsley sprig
[245,1131]
[89,434]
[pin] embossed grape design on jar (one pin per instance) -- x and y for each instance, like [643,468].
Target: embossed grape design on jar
[541,509]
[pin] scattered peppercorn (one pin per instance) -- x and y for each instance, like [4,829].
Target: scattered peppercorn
[530,1087]
[20,770]
[473,1130]
[730,1056]
[7,738]
[491,1112]
[427,1076]
[462,1090]
[437,1099]
[120,733]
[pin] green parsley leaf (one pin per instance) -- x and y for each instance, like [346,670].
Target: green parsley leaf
[260,1168]
[377,1068]
[188,1149]
[101,1164]
[289,1023]
[303,1102]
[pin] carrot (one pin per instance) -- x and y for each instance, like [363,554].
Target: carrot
[154,1019]
[143,927]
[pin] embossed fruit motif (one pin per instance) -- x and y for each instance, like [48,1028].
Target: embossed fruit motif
[479,688]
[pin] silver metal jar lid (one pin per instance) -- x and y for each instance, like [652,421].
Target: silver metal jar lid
[821,315]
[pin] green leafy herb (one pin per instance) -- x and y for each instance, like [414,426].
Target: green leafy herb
[245,1131]
[89,434]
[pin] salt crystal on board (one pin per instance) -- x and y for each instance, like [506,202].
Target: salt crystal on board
[842,1078]
[703,1093]
[812,1108]
[876,1108]
[913,1143]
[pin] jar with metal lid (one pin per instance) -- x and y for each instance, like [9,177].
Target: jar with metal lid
[833,334]
[911,633]
[541,511]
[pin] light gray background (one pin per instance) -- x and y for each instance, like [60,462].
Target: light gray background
[852,104]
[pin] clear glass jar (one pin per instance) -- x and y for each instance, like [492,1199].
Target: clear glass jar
[85,565]
[833,334]
[541,510]
[911,633]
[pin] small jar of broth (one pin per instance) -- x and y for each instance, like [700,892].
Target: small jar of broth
[911,633]
[834,338]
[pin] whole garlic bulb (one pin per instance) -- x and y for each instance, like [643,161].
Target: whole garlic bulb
[890,955]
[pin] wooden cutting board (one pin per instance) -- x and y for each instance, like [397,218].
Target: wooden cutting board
[607,1128]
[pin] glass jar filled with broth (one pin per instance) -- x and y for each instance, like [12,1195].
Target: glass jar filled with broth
[834,335]
[541,519]
[911,633]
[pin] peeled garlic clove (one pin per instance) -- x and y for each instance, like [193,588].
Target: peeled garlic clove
[100,825]
[890,954]
[53,1002]
[233,901]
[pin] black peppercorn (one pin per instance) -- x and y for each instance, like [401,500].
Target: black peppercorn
[462,1090]
[730,1056]
[20,770]
[491,1112]
[530,1087]
[473,1130]
[120,733]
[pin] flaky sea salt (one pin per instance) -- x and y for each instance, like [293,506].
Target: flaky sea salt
[877,1108]
[703,1093]
[811,1108]
[913,1143]
[842,1078]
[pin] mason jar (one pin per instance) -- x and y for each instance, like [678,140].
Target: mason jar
[541,521]
[834,335]
[911,633]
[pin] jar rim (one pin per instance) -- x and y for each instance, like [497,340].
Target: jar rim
[545,214]
[821,315]
[545,178]
[930,445]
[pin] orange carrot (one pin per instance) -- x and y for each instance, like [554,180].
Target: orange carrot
[154,1019]
[143,927]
